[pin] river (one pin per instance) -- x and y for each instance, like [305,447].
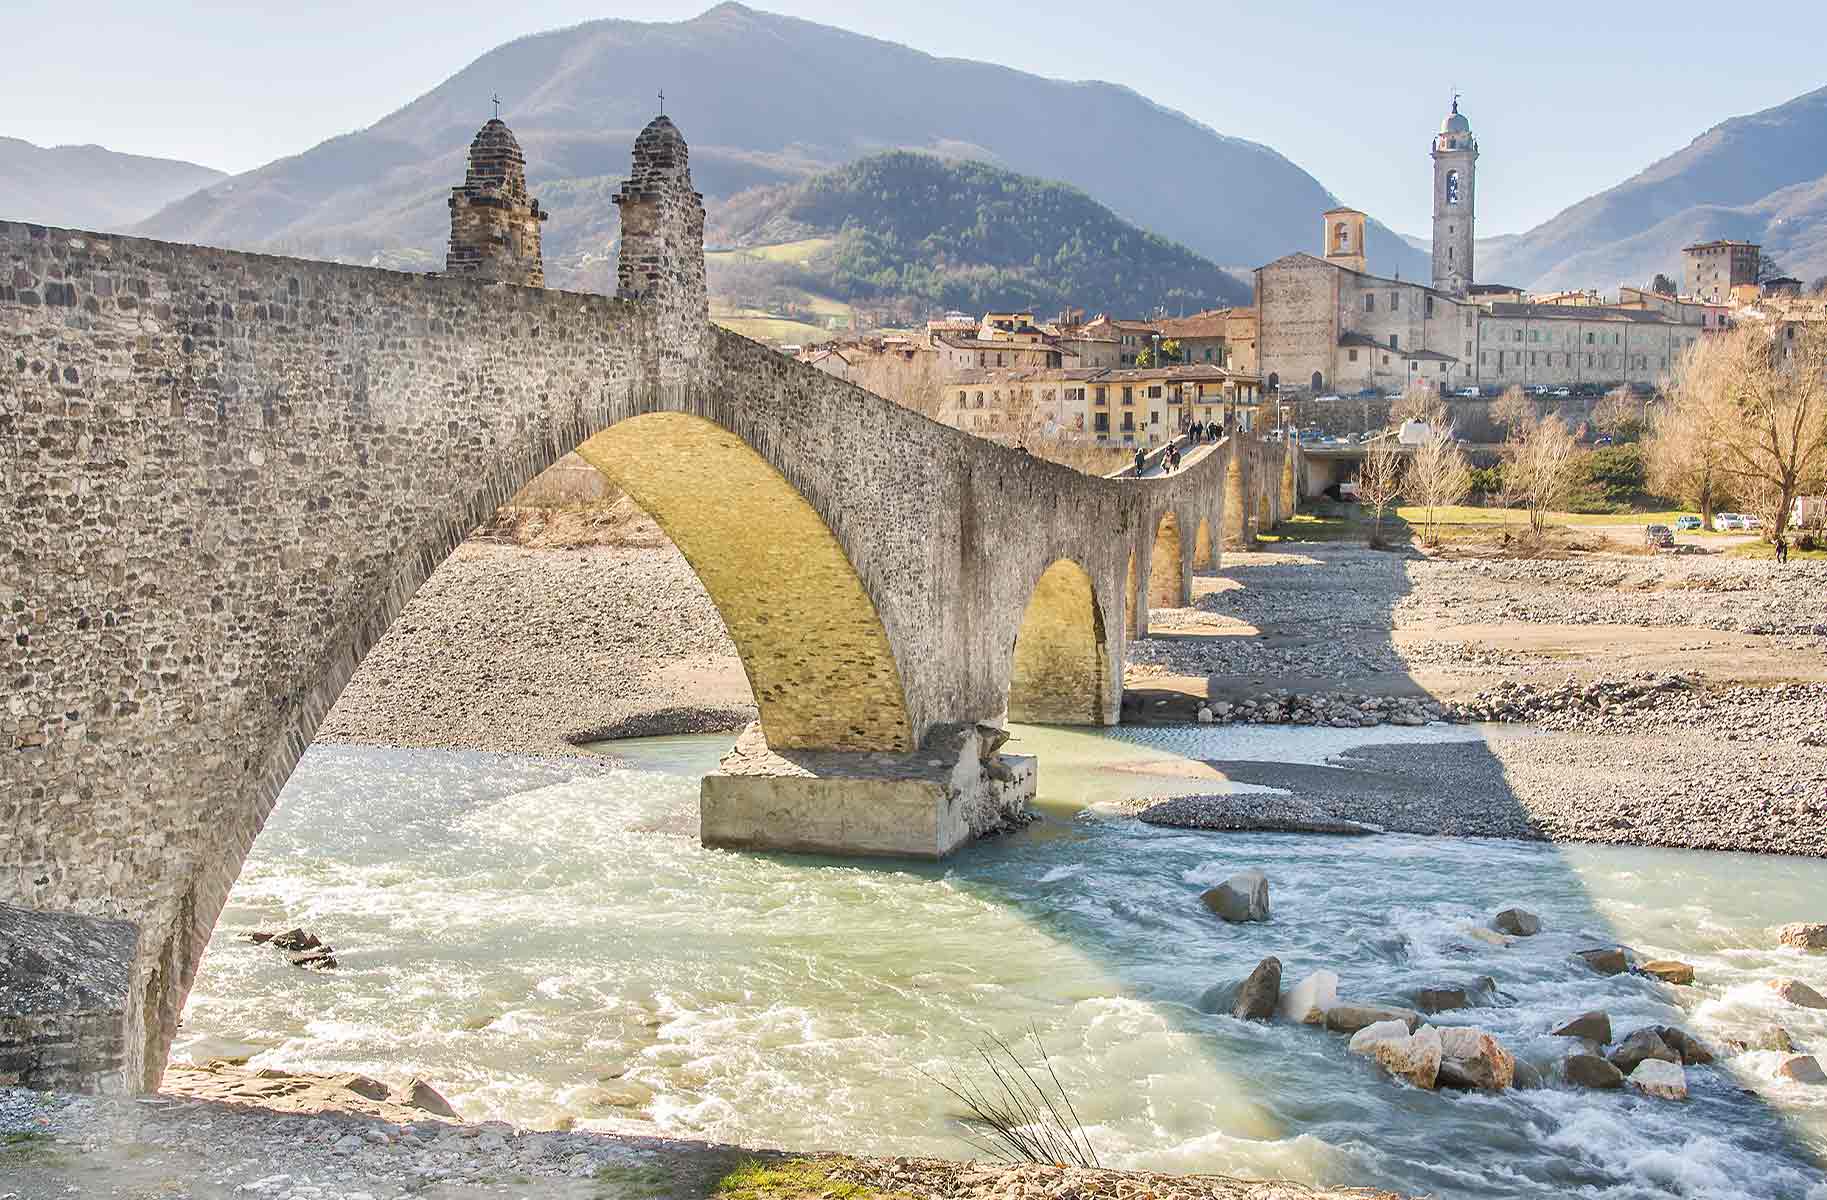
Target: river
[543,941]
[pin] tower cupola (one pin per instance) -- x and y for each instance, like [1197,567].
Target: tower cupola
[494,225]
[1455,154]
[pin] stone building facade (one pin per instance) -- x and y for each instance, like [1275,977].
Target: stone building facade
[1325,325]
[494,224]
[1710,270]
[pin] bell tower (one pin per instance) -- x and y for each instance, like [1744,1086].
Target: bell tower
[1455,198]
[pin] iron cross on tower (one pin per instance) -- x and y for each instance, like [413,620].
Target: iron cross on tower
[662,102]
[497,100]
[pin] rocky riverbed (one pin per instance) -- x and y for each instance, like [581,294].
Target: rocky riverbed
[228,1133]
[535,651]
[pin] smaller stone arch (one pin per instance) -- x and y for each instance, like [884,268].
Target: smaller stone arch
[1319,382]
[1061,658]
[1167,566]
[1202,546]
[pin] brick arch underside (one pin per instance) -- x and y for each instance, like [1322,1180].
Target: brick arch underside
[811,640]
[1061,661]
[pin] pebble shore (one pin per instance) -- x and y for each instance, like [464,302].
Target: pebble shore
[1645,757]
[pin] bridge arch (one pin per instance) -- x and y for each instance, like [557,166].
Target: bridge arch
[1203,557]
[810,638]
[1167,565]
[1060,668]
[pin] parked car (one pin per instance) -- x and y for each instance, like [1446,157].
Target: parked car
[1605,440]
[1367,394]
[1470,393]
[1328,399]
[1724,521]
[1658,536]
[1687,524]
[1561,393]
[1752,521]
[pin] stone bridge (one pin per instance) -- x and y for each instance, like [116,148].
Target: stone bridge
[226,473]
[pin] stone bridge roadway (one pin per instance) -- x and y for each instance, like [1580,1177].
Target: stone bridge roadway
[224,474]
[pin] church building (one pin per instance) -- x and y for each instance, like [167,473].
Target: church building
[1326,324]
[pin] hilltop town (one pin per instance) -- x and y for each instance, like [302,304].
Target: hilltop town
[1322,328]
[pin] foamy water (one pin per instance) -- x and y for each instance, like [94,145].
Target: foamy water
[543,941]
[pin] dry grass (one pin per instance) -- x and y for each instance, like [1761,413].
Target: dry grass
[613,521]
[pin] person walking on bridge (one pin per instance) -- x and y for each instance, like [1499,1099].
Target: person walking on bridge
[1141,462]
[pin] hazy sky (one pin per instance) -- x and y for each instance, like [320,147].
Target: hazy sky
[1566,98]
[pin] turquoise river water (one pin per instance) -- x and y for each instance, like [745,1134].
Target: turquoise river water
[546,941]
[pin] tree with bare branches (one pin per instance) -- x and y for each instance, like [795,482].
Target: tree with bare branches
[1420,402]
[1379,483]
[916,382]
[1683,454]
[1513,411]
[1438,477]
[1620,414]
[1539,468]
[1761,392]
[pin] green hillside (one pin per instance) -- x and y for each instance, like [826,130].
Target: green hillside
[910,230]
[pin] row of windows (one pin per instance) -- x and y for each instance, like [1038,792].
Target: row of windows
[1638,362]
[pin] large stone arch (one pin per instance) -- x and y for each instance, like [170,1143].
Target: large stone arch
[811,640]
[1061,658]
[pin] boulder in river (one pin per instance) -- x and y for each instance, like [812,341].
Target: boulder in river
[1689,1047]
[1593,1026]
[1517,922]
[1242,897]
[295,940]
[1307,1001]
[1660,1078]
[1489,936]
[1641,1046]
[1798,993]
[1668,971]
[1589,1070]
[1348,1017]
[1448,997]
[1801,1068]
[1774,1038]
[361,1085]
[1261,992]
[1606,960]
[318,958]
[1803,935]
[1472,1059]
[1412,1056]
[422,1096]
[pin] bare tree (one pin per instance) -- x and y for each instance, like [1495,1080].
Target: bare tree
[1438,477]
[1379,483]
[1538,468]
[1513,411]
[1766,389]
[1619,413]
[917,382]
[1421,402]
[1684,452]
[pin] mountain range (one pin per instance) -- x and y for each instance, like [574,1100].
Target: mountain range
[1760,178]
[87,187]
[762,99]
